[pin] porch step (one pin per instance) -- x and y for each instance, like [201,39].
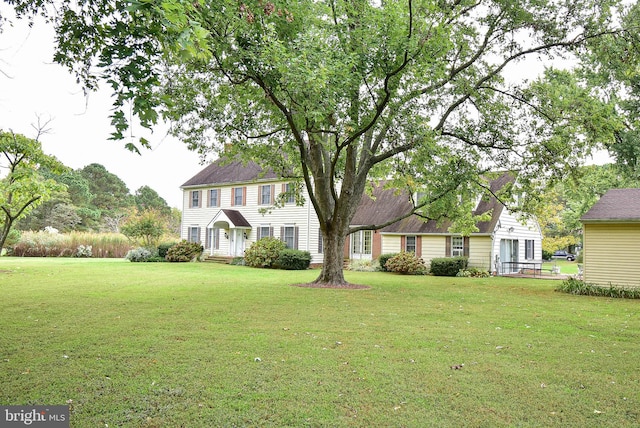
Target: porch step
[218,259]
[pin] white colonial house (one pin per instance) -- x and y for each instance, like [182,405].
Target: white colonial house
[224,204]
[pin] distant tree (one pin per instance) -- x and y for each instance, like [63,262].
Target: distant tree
[174,222]
[23,187]
[569,199]
[66,210]
[111,196]
[146,198]
[146,226]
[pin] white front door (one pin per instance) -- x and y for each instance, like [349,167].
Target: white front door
[236,243]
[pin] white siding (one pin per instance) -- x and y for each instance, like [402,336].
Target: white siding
[302,217]
[511,228]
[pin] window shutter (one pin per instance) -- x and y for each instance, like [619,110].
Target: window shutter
[199,237]
[320,243]
[190,196]
[259,234]
[418,246]
[295,237]
[282,233]
[233,196]
[403,243]
[207,239]
[466,246]
[447,246]
[273,194]
[260,195]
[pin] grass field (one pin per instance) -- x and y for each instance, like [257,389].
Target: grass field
[207,345]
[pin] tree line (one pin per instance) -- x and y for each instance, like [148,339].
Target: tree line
[38,192]
[94,199]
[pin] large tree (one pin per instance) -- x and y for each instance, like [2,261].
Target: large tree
[339,93]
[612,64]
[22,187]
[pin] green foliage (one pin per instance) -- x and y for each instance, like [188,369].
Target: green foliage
[13,238]
[264,252]
[147,226]
[579,287]
[547,254]
[290,259]
[406,263]
[148,199]
[237,261]
[164,248]
[448,266]
[23,187]
[185,251]
[383,260]
[110,193]
[473,273]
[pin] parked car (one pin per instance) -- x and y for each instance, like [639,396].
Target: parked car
[561,254]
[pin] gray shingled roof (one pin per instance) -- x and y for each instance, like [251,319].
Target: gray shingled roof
[615,205]
[388,204]
[224,172]
[237,218]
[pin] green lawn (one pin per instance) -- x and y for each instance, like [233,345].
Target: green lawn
[204,345]
[566,267]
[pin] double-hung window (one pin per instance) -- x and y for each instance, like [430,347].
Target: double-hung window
[289,236]
[265,195]
[194,234]
[529,249]
[238,196]
[214,197]
[264,231]
[410,244]
[195,199]
[457,246]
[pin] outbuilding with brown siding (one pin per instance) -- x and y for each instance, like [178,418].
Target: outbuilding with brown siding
[611,239]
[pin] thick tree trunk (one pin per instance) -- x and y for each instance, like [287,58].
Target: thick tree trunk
[4,233]
[332,274]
